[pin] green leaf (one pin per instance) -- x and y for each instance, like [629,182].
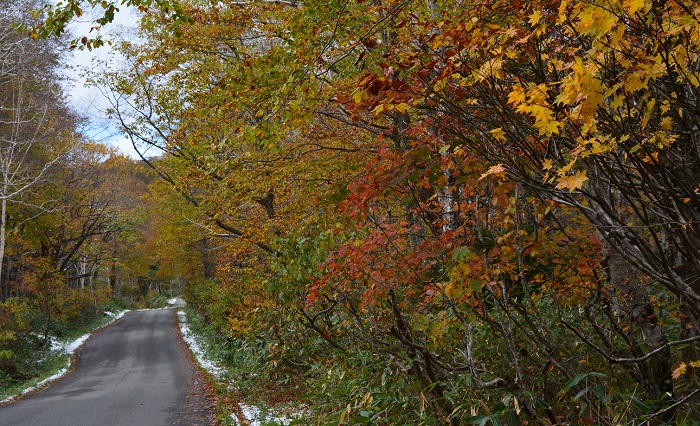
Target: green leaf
[581,393]
[462,253]
[639,404]
[475,285]
[573,382]
[577,379]
[477,420]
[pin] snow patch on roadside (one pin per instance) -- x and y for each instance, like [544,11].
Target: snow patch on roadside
[195,347]
[172,301]
[257,418]
[253,414]
[250,413]
[68,348]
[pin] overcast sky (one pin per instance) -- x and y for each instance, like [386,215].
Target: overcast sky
[89,102]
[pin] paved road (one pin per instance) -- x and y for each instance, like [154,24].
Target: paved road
[135,372]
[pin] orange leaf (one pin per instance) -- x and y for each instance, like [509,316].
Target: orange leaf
[678,372]
[498,169]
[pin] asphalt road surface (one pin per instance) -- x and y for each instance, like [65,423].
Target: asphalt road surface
[135,372]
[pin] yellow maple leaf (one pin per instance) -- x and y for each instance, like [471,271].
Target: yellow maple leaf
[632,6]
[498,134]
[516,96]
[535,17]
[550,128]
[618,102]
[562,12]
[547,164]
[617,36]
[695,364]
[572,182]
[596,21]
[634,83]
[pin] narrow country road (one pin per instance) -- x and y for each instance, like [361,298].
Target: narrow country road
[135,372]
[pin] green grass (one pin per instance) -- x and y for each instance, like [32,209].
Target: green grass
[45,364]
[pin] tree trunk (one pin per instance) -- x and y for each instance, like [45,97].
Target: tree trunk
[636,303]
[3,228]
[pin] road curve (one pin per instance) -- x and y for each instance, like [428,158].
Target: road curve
[135,372]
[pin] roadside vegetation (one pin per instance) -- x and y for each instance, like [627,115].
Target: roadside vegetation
[35,358]
[234,367]
[418,212]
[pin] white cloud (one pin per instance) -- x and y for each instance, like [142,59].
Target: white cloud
[89,101]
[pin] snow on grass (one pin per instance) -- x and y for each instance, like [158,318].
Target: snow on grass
[172,301]
[250,413]
[196,348]
[68,348]
[253,414]
[258,418]
[56,345]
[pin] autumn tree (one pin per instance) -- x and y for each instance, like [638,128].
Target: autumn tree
[30,118]
[575,103]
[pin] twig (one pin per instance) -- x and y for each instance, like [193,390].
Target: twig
[628,360]
[679,402]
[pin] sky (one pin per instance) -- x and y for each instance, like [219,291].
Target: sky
[89,101]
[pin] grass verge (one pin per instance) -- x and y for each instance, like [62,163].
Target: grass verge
[241,381]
